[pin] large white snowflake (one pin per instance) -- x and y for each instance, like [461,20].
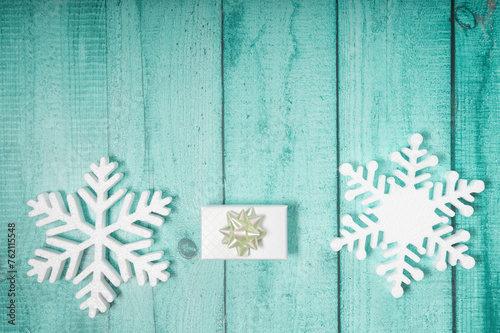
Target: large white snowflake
[407,215]
[51,262]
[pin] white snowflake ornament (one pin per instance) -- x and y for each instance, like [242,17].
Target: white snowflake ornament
[407,215]
[49,263]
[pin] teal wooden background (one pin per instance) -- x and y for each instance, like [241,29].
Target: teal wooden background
[251,102]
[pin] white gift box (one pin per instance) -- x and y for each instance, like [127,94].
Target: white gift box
[273,246]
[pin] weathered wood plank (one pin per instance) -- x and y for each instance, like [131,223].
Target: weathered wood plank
[63,131]
[181,44]
[16,65]
[127,145]
[477,147]
[394,80]
[280,134]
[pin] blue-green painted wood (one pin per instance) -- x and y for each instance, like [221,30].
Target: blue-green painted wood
[63,105]
[280,133]
[142,81]
[16,80]
[183,104]
[127,145]
[394,80]
[476,155]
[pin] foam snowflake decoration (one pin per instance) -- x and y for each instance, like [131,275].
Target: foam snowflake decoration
[50,263]
[407,215]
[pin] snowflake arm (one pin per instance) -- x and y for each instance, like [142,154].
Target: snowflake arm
[147,213]
[101,293]
[126,221]
[51,262]
[398,266]
[412,166]
[449,248]
[53,206]
[144,265]
[360,235]
[366,185]
[100,182]
[452,195]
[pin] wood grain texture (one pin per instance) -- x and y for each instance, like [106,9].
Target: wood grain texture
[394,80]
[62,133]
[477,147]
[16,80]
[182,90]
[148,83]
[127,145]
[280,130]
